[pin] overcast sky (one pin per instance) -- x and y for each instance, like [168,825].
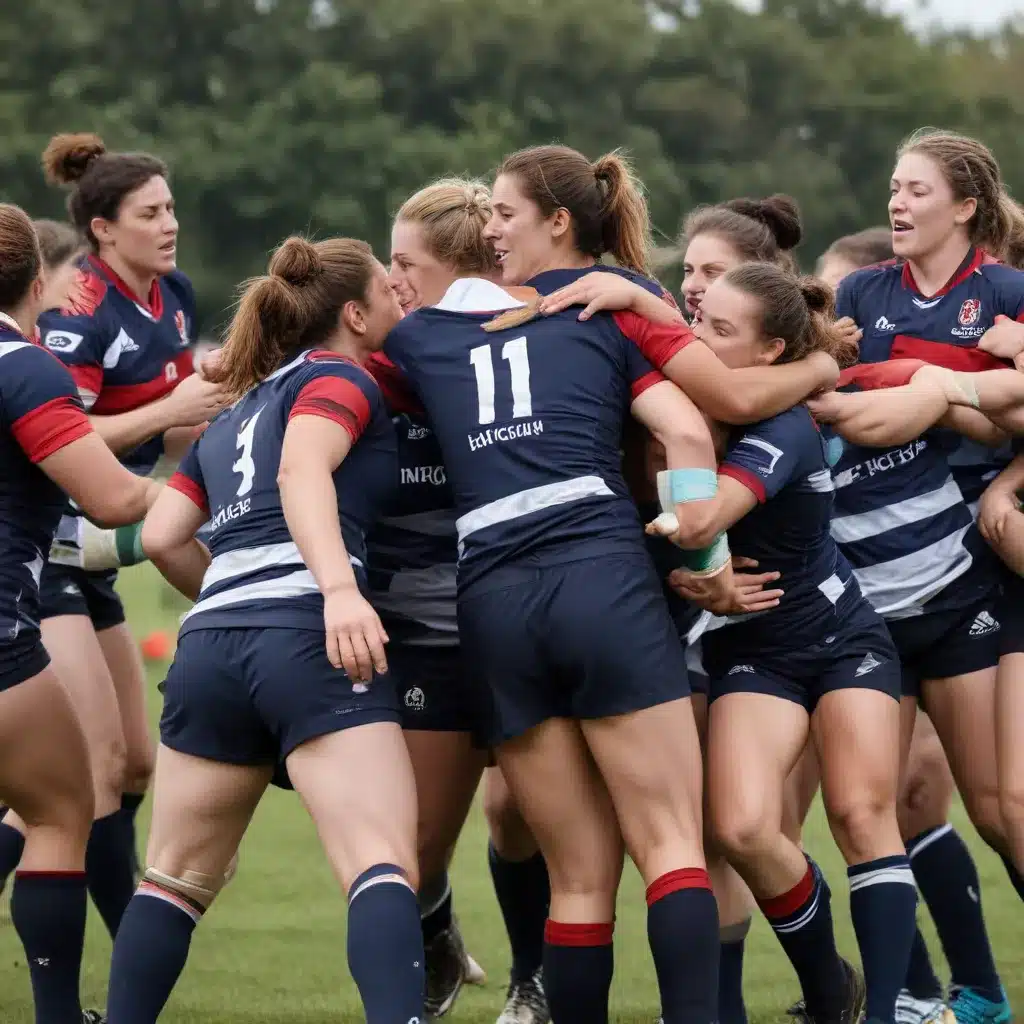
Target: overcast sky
[981,14]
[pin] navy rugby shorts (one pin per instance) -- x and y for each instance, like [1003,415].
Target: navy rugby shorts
[858,654]
[585,639]
[1011,615]
[21,659]
[66,590]
[251,696]
[941,645]
[435,691]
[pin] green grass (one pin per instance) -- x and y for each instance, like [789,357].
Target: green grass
[273,948]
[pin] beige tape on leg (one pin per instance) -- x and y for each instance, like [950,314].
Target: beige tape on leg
[193,885]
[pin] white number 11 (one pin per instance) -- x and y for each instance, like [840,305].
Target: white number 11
[514,352]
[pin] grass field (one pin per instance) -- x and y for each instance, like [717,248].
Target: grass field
[272,951]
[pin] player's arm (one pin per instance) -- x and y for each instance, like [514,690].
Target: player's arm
[1000,502]
[168,536]
[1010,547]
[46,418]
[328,416]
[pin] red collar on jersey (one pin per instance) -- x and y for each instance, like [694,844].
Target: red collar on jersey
[974,259]
[153,305]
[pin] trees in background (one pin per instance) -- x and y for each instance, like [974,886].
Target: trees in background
[322,115]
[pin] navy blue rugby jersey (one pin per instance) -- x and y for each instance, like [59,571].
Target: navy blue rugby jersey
[40,413]
[530,422]
[123,352]
[412,549]
[901,519]
[899,322]
[257,576]
[784,462]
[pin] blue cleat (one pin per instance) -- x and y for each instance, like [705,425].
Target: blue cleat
[971,1008]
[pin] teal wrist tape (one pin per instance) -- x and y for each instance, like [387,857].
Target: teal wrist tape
[710,560]
[676,486]
[128,540]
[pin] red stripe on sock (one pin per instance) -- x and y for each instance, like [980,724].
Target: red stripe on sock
[557,933]
[673,881]
[49,874]
[789,902]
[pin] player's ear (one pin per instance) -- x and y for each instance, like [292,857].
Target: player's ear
[771,351]
[353,317]
[561,222]
[965,210]
[102,230]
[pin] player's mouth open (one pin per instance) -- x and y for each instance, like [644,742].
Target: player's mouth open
[902,225]
[499,255]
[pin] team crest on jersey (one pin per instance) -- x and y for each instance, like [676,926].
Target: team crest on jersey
[969,312]
[86,293]
[182,325]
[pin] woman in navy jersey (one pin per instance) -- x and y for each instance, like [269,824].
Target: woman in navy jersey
[943,300]
[282,657]
[821,665]
[436,238]
[124,334]
[47,449]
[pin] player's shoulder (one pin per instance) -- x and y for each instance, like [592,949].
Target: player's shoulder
[648,283]
[792,424]
[29,370]
[90,292]
[1001,275]
[873,276]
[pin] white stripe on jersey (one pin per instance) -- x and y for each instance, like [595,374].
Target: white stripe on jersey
[860,526]
[282,588]
[533,499]
[249,560]
[899,588]
[7,347]
[821,482]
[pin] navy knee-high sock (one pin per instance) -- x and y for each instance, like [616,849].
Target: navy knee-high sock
[578,966]
[12,845]
[108,867]
[385,945]
[802,921]
[883,905]
[682,929]
[435,900]
[922,981]
[948,882]
[130,804]
[150,951]
[731,1007]
[48,910]
[1015,876]
[524,896]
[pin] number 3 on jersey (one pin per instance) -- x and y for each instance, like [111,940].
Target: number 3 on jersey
[518,359]
[245,464]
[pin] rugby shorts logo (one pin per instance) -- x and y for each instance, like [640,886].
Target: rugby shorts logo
[736,669]
[869,664]
[884,324]
[72,590]
[415,698]
[983,625]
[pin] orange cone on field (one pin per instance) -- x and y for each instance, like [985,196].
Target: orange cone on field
[156,646]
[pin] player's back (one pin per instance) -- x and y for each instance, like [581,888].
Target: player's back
[257,575]
[530,424]
[35,391]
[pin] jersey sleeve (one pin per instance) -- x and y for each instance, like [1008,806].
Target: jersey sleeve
[639,372]
[188,479]
[40,403]
[769,454]
[873,376]
[336,390]
[846,298]
[658,342]
[79,342]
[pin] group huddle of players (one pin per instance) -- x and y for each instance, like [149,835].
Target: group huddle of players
[504,510]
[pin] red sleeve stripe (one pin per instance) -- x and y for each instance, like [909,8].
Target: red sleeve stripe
[335,399]
[658,342]
[50,427]
[940,353]
[1020,318]
[745,477]
[648,380]
[126,397]
[88,380]
[186,485]
[872,376]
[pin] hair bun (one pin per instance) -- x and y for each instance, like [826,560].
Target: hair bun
[819,296]
[779,213]
[67,157]
[296,262]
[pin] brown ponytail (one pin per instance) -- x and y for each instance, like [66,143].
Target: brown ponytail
[800,311]
[604,199]
[20,259]
[294,306]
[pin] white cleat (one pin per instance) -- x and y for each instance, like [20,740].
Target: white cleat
[472,972]
[911,1010]
[526,1003]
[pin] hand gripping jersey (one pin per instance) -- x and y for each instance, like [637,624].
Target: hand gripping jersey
[783,461]
[257,576]
[412,549]
[530,423]
[40,413]
[899,322]
[900,517]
